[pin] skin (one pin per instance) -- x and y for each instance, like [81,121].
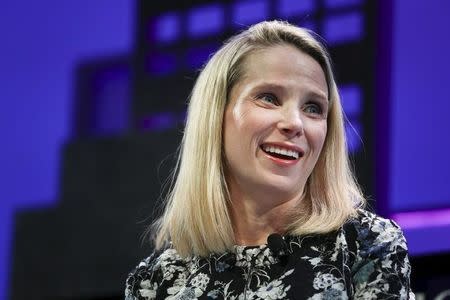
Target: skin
[282,98]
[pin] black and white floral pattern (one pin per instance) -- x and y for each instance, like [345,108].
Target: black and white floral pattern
[366,259]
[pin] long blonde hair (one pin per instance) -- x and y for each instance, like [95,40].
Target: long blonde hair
[196,218]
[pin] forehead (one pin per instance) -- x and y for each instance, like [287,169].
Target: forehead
[286,65]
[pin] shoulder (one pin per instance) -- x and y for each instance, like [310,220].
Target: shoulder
[369,230]
[381,267]
[161,267]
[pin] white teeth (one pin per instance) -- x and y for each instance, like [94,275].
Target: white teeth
[272,149]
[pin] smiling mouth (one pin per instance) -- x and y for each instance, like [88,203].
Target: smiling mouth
[280,152]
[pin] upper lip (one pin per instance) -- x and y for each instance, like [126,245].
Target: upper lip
[285,146]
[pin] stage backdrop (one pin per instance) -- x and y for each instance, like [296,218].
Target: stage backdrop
[91,89]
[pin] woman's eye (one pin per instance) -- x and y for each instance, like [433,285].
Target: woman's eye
[313,108]
[270,98]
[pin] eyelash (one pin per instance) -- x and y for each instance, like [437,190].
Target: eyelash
[272,96]
[274,100]
[316,106]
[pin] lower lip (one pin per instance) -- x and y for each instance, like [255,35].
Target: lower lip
[281,162]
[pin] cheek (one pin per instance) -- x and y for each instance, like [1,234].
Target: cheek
[323,135]
[318,136]
[248,122]
[233,135]
[245,126]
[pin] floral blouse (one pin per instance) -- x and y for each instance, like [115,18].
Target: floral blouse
[365,259]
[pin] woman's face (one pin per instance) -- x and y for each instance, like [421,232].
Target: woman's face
[275,122]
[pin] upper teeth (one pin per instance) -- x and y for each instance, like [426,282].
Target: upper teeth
[281,151]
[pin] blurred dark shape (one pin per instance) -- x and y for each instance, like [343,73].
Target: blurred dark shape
[102,104]
[85,247]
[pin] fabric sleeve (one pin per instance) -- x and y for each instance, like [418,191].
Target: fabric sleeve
[382,269]
[144,280]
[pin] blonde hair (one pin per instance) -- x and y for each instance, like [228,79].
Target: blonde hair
[196,219]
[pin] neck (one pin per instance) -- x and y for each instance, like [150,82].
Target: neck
[255,218]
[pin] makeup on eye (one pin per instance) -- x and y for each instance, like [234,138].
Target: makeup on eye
[269,98]
[314,108]
[310,107]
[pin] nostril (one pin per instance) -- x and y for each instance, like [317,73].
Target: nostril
[291,126]
[297,131]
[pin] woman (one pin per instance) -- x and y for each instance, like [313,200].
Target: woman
[264,205]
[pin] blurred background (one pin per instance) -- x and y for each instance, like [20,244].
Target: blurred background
[93,98]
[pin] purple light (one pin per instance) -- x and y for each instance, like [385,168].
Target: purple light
[112,100]
[343,28]
[420,219]
[161,63]
[162,120]
[308,24]
[159,121]
[250,11]
[419,141]
[341,3]
[427,240]
[290,8]
[205,20]
[353,133]
[351,99]
[165,28]
[196,57]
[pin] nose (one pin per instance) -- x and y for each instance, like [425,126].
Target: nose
[291,123]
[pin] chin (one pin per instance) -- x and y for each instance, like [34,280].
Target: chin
[280,185]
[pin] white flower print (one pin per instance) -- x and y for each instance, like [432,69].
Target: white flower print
[323,281]
[340,242]
[200,281]
[315,261]
[365,259]
[166,264]
[335,291]
[386,263]
[367,293]
[148,290]
[273,290]
[178,284]
[186,293]
[148,294]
